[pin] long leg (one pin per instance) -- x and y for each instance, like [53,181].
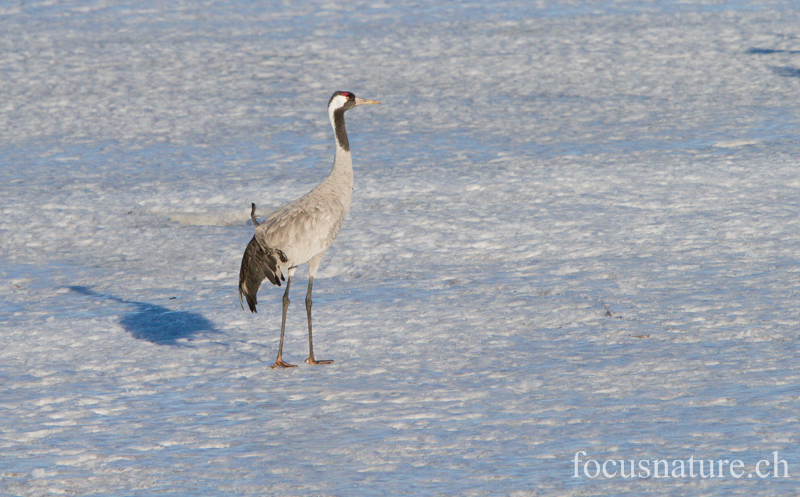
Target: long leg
[311,359]
[279,360]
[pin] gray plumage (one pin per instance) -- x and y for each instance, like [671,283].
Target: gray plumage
[300,232]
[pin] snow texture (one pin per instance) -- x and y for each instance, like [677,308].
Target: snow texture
[574,228]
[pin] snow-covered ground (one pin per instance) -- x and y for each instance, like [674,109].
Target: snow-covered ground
[575,228]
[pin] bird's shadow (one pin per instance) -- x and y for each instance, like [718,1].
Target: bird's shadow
[770,51]
[155,323]
[785,71]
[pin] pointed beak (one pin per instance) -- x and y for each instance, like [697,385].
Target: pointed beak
[364,101]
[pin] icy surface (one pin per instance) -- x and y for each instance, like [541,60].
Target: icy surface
[575,228]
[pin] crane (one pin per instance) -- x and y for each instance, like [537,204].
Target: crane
[301,231]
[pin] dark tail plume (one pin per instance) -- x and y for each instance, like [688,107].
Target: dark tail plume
[258,263]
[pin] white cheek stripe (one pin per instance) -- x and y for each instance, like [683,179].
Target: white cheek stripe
[336,103]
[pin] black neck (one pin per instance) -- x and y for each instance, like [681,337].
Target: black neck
[339,130]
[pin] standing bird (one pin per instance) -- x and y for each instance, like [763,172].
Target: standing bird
[301,231]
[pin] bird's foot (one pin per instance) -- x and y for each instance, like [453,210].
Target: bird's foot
[312,361]
[280,362]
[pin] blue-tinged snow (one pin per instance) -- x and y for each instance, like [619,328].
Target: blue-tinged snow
[575,228]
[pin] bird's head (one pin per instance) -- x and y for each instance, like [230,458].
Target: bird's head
[340,102]
[346,100]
